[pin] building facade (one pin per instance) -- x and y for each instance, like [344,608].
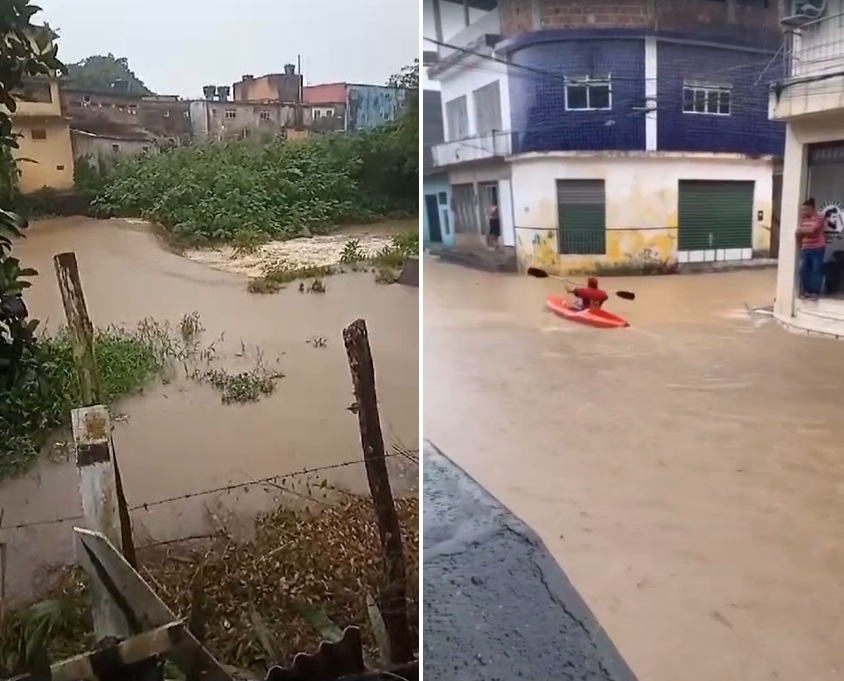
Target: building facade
[809,100]
[436,191]
[45,153]
[352,106]
[614,136]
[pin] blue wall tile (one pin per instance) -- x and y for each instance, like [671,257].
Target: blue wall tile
[746,130]
[373,105]
[539,118]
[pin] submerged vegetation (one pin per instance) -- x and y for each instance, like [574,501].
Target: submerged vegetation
[386,264]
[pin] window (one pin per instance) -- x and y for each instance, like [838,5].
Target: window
[39,134]
[133,110]
[59,167]
[215,112]
[457,119]
[713,99]
[115,148]
[487,108]
[442,198]
[186,113]
[265,115]
[588,93]
[86,99]
[231,114]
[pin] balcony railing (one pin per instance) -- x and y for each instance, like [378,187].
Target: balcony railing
[816,46]
[496,144]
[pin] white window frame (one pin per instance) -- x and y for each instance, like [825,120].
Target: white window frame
[230,114]
[707,88]
[589,82]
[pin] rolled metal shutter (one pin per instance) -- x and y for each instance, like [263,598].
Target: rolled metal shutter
[582,217]
[715,215]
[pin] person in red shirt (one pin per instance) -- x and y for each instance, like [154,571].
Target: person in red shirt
[589,297]
[810,234]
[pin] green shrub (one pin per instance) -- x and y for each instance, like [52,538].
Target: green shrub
[217,192]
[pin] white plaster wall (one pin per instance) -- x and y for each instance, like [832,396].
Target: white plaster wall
[467,77]
[641,189]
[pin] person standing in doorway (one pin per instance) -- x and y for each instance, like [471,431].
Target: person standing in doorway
[494,224]
[812,247]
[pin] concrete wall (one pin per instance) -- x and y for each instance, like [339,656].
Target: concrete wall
[165,118]
[229,120]
[435,185]
[473,74]
[53,155]
[370,106]
[105,151]
[753,22]
[326,94]
[274,87]
[642,205]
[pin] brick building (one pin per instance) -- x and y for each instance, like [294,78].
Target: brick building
[612,134]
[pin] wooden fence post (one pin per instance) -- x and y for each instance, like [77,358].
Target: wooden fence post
[103,502]
[394,595]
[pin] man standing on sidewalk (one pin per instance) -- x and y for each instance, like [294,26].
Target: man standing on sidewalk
[812,247]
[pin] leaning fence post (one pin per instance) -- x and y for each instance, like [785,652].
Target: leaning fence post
[394,595]
[103,503]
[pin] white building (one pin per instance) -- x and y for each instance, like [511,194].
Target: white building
[609,147]
[810,100]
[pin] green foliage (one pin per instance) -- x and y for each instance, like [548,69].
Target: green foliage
[47,388]
[105,73]
[27,51]
[216,191]
[352,252]
[87,177]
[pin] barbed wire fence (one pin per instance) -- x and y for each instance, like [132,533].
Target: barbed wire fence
[104,506]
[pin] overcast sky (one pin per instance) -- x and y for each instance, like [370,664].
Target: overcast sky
[177,46]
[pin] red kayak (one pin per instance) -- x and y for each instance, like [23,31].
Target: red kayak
[597,318]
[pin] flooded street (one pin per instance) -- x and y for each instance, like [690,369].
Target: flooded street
[686,473]
[178,438]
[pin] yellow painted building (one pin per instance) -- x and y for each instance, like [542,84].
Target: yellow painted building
[45,154]
[637,206]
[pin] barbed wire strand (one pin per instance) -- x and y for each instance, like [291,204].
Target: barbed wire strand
[268,481]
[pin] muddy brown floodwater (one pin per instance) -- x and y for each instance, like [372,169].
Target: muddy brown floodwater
[687,473]
[178,438]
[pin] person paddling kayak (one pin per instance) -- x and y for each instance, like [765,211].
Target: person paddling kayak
[589,297]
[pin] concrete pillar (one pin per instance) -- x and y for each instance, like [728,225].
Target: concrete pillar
[438,23]
[651,72]
[535,14]
[794,178]
[466,21]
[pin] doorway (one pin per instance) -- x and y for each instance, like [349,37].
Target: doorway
[432,212]
[488,192]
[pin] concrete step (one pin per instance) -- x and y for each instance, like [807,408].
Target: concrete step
[487,260]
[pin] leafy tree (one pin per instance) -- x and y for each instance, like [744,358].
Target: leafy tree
[26,50]
[407,128]
[100,73]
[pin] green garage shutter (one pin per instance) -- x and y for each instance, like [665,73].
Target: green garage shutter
[582,216]
[715,215]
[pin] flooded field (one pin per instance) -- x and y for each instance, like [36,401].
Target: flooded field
[686,473]
[178,439]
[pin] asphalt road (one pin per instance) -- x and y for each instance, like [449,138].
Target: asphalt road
[497,607]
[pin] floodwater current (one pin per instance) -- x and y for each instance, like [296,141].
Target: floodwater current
[687,473]
[178,439]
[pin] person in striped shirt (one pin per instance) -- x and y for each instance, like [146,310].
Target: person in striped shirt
[810,232]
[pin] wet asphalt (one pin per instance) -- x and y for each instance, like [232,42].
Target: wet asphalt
[497,606]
